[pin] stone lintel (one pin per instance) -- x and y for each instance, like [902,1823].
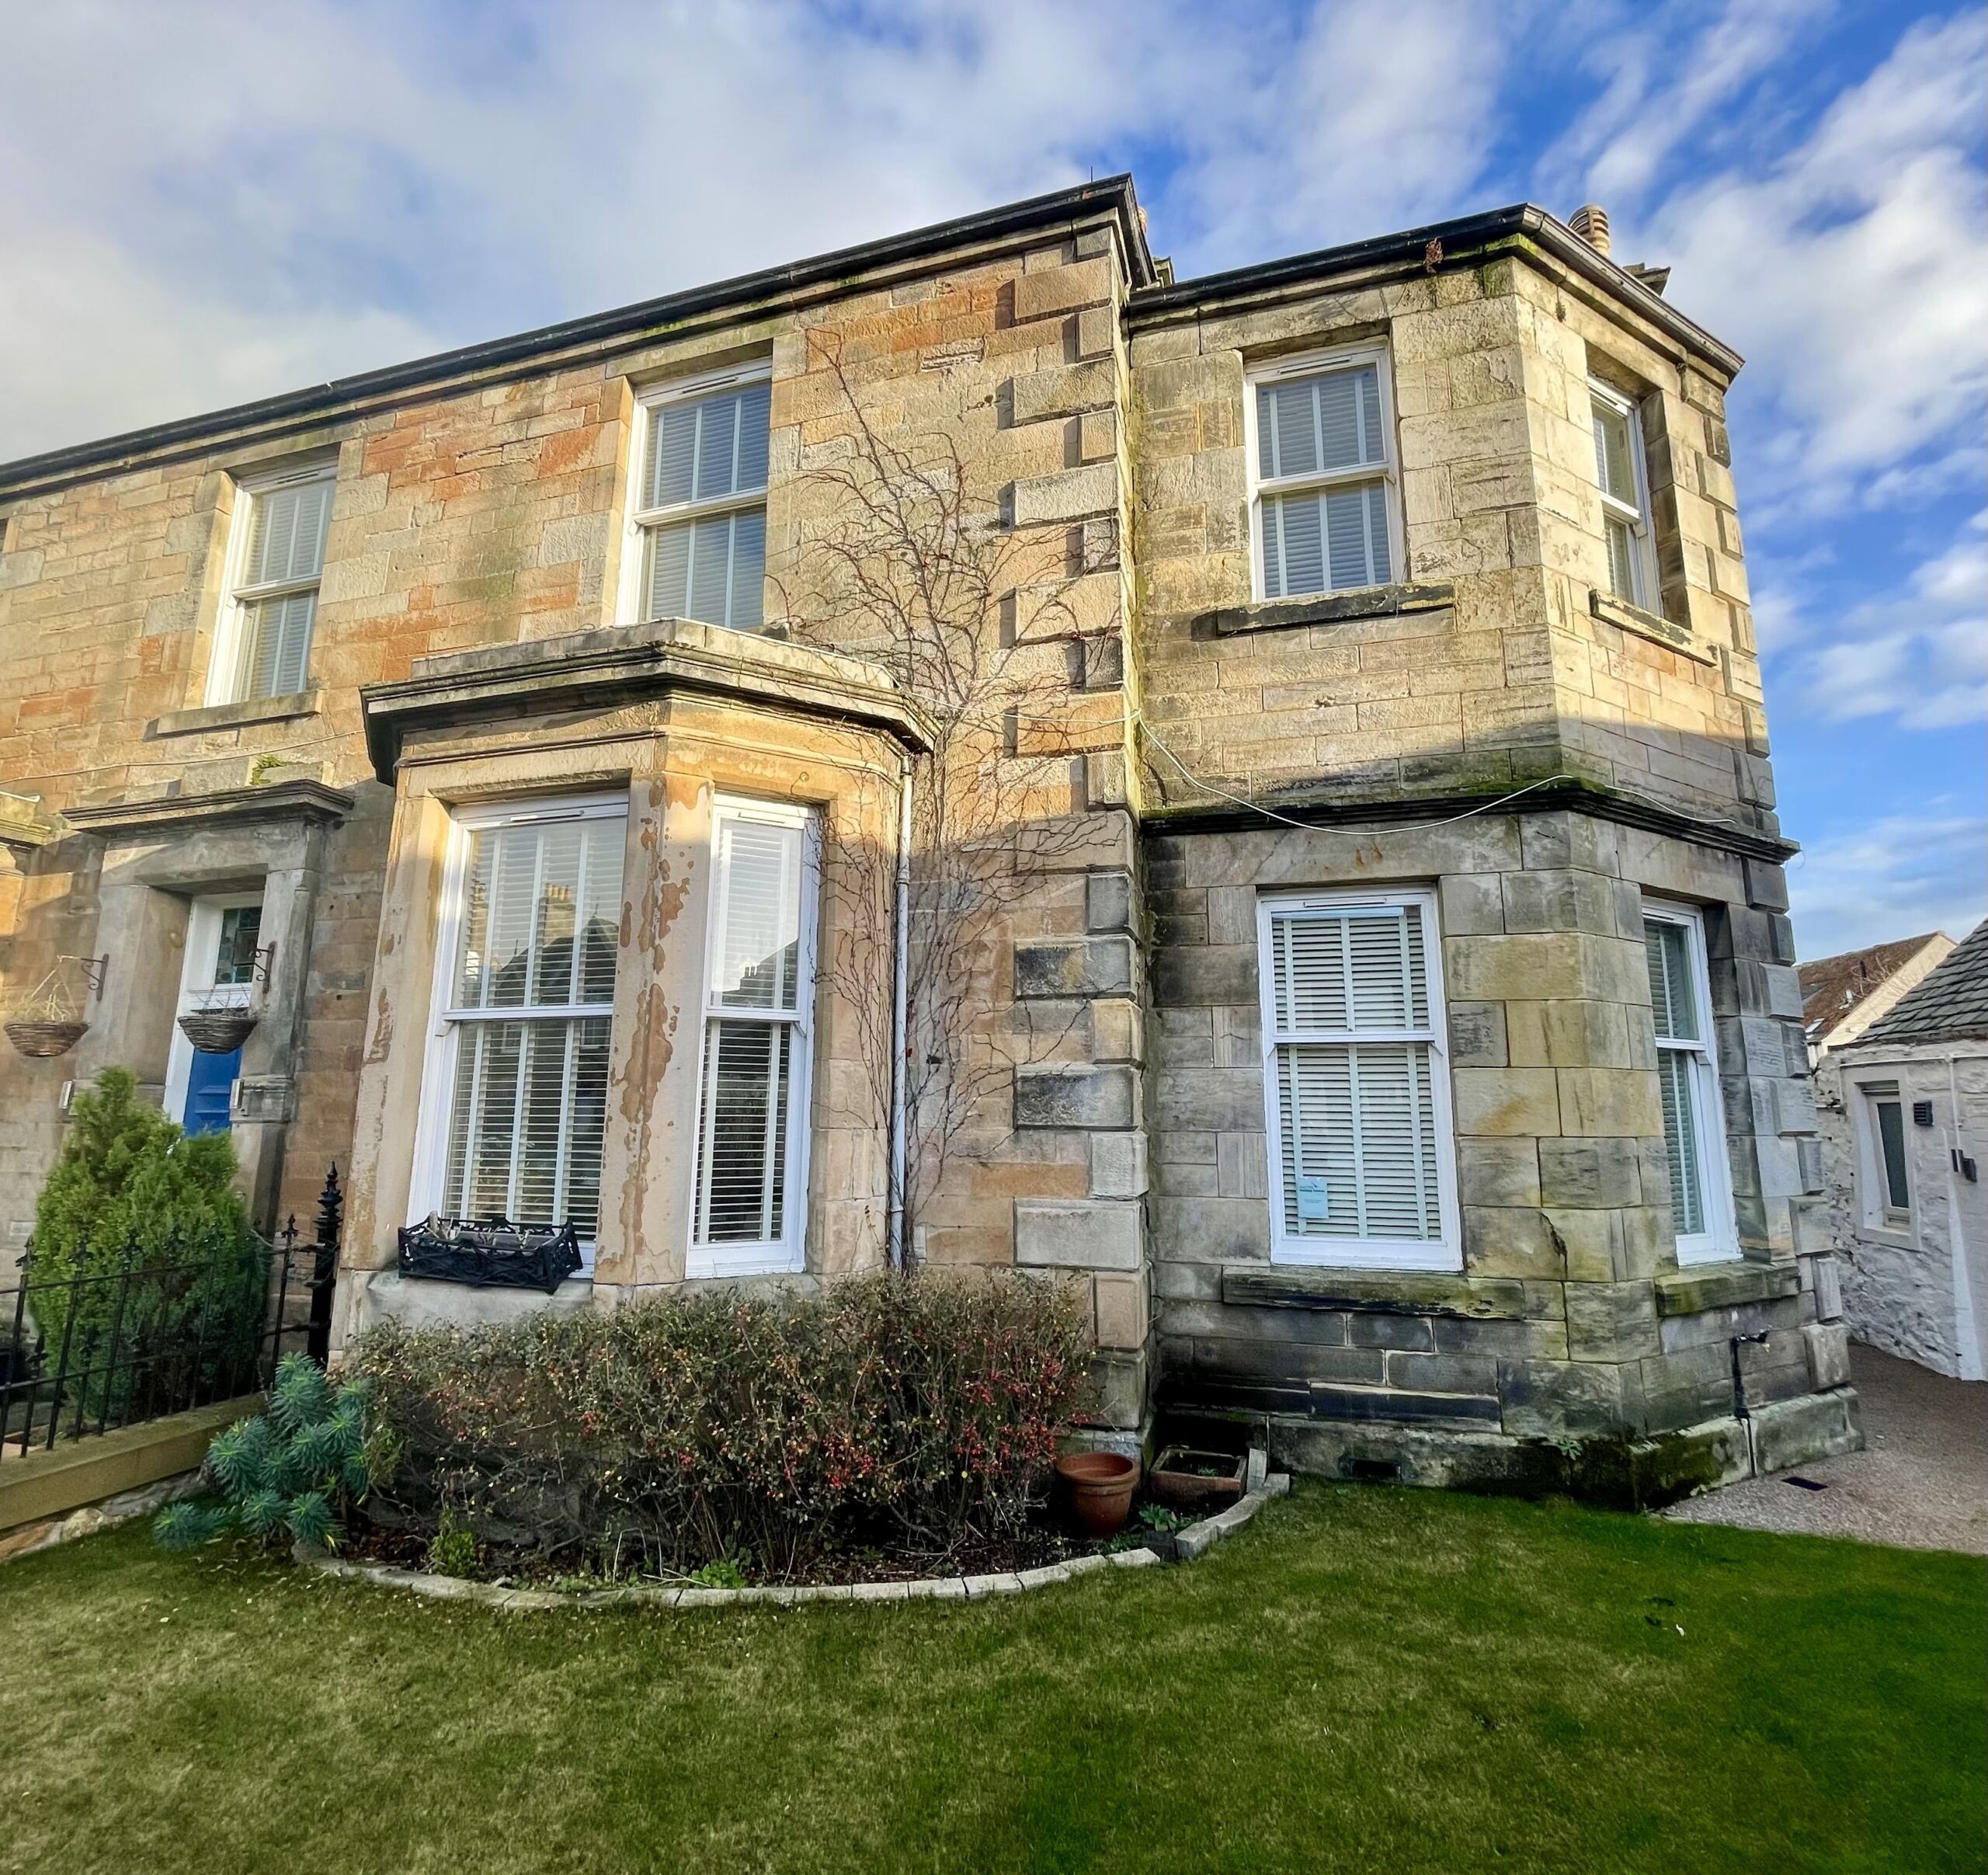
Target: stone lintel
[1724,1285]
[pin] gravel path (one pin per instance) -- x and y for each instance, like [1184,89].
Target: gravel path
[1920,1482]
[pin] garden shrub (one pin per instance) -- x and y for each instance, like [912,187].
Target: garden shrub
[130,1185]
[292,1473]
[916,1412]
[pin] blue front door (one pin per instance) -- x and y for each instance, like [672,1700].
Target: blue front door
[209,1082]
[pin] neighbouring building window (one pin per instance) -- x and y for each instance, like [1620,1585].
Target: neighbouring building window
[518,1074]
[1322,458]
[699,505]
[1622,470]
[1356,1081]
[1688,1077]
[1887,1181]
[277,561]
[752,1100]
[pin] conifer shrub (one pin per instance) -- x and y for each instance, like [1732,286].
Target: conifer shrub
[132,1192]
[915,1413]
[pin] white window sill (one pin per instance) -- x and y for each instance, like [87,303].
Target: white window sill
[1716,1253]
[746,1260]
[1373,1258]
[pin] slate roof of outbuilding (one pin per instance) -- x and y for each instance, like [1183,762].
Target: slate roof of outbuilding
[1951,1003]
[1832,987]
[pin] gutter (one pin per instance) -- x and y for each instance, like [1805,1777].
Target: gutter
[1428,249]
[771,289]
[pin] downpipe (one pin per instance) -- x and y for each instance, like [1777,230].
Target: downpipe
[896,1249]
[1741,1410]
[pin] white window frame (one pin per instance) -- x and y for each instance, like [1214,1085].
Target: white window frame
[198,989]
[1312,364]
[1442,1253]
[1876,1214]
[227,677]
[1719,1241]
[1639,518]
[787,1253]
[632,601]
[428,1188]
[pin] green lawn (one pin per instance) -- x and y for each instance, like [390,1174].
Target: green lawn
[1365,1679]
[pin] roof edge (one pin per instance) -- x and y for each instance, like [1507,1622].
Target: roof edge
[1411,246]
[32,475]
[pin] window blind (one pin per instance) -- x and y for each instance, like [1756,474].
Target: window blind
[1353,1063]
[285,550]
[532,991]
[705,452]
[1321,432]
[751,1105]
[1685,1080]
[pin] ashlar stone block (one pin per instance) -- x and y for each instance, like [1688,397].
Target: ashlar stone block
[1117,1164]
[1077,967]
[1049,1093]
[1077,1233]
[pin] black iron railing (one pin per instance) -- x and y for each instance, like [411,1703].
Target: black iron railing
[136,1331]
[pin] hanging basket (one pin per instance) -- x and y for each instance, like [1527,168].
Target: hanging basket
[43,1039]
[218,1032]
[49,1022]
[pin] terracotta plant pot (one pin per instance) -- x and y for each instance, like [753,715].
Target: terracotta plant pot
[1188,1480]
[1100,1486]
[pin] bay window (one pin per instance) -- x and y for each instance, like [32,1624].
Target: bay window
[752,1098]
[1623,472]
[1356,1081]
[1321,456]
[1687,1078]
[517,1080]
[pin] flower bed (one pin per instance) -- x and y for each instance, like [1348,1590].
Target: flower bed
[1187,1545]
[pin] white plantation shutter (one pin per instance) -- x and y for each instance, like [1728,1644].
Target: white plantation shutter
[1323,458]
[1687,1085]
[529,1011]
[752,1100]
[282,563]
[1354,1061]
[704,506]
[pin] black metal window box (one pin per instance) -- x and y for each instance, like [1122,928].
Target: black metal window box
[489,1253]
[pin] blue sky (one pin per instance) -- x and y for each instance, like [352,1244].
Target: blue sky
[209,201]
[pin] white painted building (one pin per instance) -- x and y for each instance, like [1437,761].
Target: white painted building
[1903,1100]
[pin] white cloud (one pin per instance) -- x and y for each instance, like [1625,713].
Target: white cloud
[1919,657]
[206,202]
[1654,100]
[1891,879]
[1853,272]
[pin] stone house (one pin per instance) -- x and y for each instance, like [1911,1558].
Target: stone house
[1904,1108]
[1374,983]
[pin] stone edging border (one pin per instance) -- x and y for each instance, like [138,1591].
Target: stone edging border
[1196,1540]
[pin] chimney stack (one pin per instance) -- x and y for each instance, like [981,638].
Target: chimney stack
[1590,222]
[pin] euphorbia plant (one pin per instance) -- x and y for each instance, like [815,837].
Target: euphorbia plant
[289,1473]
